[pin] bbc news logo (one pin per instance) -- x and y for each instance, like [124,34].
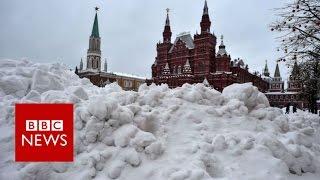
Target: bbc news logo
[40,139]
[44,132]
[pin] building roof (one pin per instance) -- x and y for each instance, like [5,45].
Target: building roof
[128,75]
[103,73]
[95,28]
[186,38]
[281,93]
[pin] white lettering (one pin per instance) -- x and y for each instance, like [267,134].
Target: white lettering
[37,140]
[57,125]
[29,141]
[62,137]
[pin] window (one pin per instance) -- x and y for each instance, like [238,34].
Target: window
[127,83]
[179,69]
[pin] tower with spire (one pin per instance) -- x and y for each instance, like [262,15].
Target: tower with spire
[265,71]
[294,82]
[94,52]
[222,59]
[205,21]
[97,71]
[167,29]
[276,84]
[161,63]
[81,65]
[205,46]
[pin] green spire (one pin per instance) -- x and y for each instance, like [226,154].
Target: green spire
[277,71]
[266,70]
[95,28]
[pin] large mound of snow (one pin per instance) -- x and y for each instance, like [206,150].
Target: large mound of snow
[191,132]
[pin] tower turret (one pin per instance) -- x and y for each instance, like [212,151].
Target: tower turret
[205,21]
[266,70]
[276,84]
[105,65]
[167,29]
[222,48]
[222,62]
[94,52]
[81,65]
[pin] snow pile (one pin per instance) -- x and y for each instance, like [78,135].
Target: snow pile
[191,132]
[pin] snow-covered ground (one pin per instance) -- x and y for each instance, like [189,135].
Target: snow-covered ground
[192,132]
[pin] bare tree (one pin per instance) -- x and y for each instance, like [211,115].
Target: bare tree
[299,26]
[299,29]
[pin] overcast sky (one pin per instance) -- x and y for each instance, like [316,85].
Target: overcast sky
[59,30]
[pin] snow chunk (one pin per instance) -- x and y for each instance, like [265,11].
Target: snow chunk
[142,140]
[115,169]
[101,107]
[123,114]
[219,143]
[124,134]
[132,157]
[14,85]
[155,149]
[80,93]
[32,96]
[43,81]
[246,93]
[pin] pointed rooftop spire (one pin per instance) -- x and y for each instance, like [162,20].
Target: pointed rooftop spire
[105,65]
[222,48]
[277,71]
[295,69]
[167,30]
[266,70]
[205,82]
[167,20]
[205,21]
[205,9]
[95,28]
[167,66]
[187,68]
[222,44]
[187,63]
[81,64]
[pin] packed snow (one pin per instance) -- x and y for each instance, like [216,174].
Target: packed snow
[192,132]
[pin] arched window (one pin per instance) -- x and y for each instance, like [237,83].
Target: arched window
[179,69]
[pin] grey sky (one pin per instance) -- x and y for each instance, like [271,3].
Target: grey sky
[50,31]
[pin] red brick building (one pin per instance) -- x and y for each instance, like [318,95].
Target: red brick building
[279,97]
[193,59]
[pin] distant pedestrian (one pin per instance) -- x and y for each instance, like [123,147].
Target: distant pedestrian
[288,109]
[294,109]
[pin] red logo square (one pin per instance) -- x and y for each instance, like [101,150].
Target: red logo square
[44,132]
